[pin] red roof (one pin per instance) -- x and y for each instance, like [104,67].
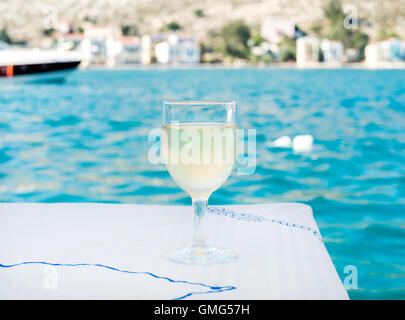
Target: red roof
[129,40]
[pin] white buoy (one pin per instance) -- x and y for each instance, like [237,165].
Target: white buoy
[303,143]
[282,142]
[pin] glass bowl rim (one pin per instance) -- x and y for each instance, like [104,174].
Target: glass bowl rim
[199,102]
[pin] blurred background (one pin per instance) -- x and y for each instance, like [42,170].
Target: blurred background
[322,82]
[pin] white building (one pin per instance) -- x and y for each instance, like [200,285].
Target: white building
[129,50]
[307,51]
[178,49]
[385,52]
[274,29]
[100,45]
[332,51]
[146,56]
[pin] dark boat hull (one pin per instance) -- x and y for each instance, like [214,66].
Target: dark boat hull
[37,69]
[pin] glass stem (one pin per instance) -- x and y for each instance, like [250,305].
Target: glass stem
[200,206]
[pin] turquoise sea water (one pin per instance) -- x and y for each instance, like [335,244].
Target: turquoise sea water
[86,140]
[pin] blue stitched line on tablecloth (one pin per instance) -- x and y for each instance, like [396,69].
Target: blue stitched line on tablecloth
[220,211]
[213,289]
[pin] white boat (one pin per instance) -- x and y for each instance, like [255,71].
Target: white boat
[16,62]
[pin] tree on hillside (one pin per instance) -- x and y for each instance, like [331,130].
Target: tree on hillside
[288,49]
[351,38]
[234,39]
[129,30]
[5,37]
[333,11]
[173,26]
[199,13]
[48,32]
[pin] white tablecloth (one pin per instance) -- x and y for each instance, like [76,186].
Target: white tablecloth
[112,251]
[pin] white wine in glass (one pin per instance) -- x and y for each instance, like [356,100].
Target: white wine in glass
[199,150]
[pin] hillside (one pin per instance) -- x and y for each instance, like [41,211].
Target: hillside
[26,19]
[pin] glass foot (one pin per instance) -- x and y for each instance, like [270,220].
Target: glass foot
[200,255]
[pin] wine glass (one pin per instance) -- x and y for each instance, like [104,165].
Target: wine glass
[199,150]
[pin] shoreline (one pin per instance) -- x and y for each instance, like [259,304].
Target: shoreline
[319,66]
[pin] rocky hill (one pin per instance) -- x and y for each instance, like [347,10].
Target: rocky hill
[26,19]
